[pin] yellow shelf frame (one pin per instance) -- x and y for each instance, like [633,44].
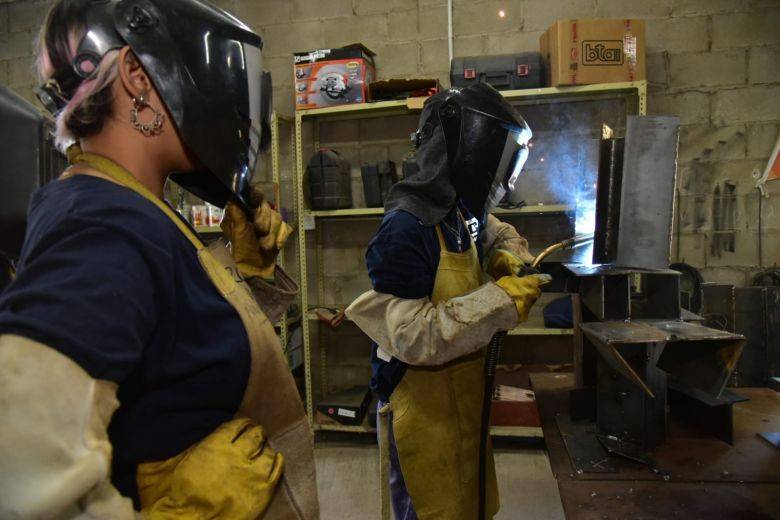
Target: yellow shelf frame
[395,108]
[524,432]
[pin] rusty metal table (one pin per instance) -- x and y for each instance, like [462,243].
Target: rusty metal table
[707,478]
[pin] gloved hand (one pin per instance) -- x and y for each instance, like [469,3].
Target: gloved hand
[503,263]
[255,244]
[232,473]
[524,290]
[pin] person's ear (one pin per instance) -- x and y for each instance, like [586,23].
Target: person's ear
[133,76]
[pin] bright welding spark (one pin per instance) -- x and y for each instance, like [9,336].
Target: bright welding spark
[501,13]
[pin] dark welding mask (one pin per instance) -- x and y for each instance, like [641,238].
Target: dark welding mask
[207,68]
[486,141]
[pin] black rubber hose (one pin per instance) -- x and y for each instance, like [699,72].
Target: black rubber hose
[491,361]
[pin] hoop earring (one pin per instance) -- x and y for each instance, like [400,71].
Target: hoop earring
[148,129]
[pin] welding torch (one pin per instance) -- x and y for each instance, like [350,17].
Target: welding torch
[494,352]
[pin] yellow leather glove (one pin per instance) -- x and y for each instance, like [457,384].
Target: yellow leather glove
[503,263]
[232,473]
[255,244]
[524,290]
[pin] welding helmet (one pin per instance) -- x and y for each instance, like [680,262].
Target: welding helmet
[486,143]
[207,68]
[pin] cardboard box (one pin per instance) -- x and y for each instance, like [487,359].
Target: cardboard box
[330,77]
[580,52]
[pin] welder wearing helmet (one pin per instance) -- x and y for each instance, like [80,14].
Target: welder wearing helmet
[431,313]
[139,369]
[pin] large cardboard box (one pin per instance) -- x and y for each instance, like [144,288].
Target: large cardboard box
[329,77]
[580,52]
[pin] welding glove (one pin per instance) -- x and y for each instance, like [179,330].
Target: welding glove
[232,473]
[503,263]
[255,244]
[524,291]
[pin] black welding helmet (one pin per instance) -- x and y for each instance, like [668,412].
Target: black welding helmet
[486,143]
[207,68]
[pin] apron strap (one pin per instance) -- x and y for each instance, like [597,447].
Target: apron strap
[109,170]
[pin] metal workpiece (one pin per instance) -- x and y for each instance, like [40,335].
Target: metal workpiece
[635,194]
[710,415]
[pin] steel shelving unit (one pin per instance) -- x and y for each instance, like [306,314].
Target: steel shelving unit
[634,92]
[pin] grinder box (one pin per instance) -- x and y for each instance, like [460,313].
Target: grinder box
[580,52]
[330,77]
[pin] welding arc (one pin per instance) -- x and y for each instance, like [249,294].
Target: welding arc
[569,243]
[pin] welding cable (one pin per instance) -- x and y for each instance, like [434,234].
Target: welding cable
[491,362]
[569,243]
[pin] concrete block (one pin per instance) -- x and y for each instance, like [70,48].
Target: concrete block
[284,102]
[658,69]
[761,139]
[16,45]
[314,9]
[740,252]
[364,7]
[739,173]
[689,34]
[388,128]
[404,25]
[708,69]
[339,132]
[3,18]
[470,45]
[370,30]
[694,211]
[745,29]
[434,56]
[513,41]
[285,39]
[433,21]
[690,248]
[704,143]
[370,153]
[704,7]
[633,8]
[265,12]
[27,15]
[767,208]
[764,64]
[695,178]
[483,18]
[693,108]
[4,75]
[759,103]
[725,275]
[281,69]
[397,60]
[21,71]
[538,15]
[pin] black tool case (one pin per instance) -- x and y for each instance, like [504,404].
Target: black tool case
[329,182]
[501,71]
[377,180]
[347,407]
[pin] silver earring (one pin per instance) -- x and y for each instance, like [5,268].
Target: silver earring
[148,129]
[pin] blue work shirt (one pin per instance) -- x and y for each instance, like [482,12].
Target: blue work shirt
[402,260]
[108,280]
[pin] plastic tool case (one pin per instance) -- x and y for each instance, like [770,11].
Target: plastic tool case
[329,181]
[502,71]
[377,180]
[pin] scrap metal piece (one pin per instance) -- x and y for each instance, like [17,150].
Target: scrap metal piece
[608,188]
[772,438]
[585,452]
[617,446]
[702,357]
[712,415]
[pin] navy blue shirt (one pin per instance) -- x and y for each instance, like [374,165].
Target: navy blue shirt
[108,280]
[402,260]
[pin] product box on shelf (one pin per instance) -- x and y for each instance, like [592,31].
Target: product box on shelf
[330,77]
[581,52]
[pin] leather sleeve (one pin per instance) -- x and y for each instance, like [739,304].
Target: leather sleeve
[501,235]
[422,334]
[56,454]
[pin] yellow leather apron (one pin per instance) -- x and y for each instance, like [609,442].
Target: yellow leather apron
[437,415]
[271,398]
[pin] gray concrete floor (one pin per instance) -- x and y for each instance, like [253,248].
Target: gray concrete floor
[347,476]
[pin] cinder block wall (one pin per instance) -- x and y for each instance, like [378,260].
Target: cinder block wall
[715,63]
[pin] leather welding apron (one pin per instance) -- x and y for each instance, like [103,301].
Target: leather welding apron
[271,398]
[437,415]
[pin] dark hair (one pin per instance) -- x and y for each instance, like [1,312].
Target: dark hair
[92,101]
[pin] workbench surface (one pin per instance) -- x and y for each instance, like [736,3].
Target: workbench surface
[707,478]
